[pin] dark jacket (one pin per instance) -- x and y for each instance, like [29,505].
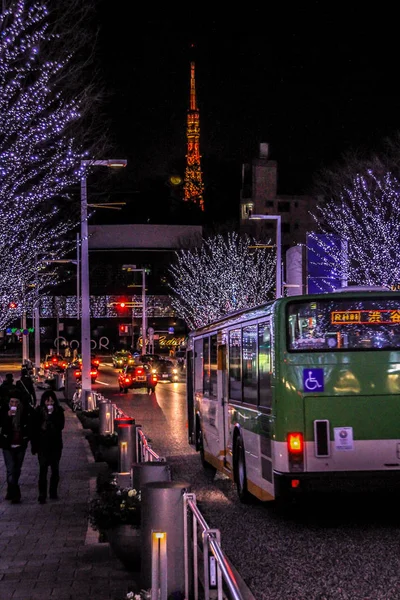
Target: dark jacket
[7,431]
[47,428]
[8,390]
[26,388]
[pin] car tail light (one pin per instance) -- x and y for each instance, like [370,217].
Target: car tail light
[154,378]
[46,365]
[96,362]
[54,360]
[93,372]
[140,371]
[77,373]
[295,445]
[127,379]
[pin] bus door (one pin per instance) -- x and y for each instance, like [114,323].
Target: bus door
[189,397]
[223,396]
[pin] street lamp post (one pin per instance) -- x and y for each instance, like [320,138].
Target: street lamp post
[133,269]
[84,271]
[276,218]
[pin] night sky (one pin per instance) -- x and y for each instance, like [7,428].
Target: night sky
[314,82]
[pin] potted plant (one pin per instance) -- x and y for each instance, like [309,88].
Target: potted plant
[115,512]
[106,446]
[90,419]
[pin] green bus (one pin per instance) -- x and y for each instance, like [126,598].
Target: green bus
[300,394]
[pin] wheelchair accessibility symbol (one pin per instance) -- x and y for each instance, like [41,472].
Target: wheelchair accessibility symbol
[313,380]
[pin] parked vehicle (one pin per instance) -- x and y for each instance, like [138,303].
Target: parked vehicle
[121,358]
[137,376]
[166,370]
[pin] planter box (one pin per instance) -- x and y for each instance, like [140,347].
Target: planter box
[125,542]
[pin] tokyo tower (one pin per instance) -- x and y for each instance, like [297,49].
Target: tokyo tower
[193,185]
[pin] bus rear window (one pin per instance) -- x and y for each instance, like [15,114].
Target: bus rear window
[343,324]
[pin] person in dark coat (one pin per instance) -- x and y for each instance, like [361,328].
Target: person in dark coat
[16,429]
[47,443]
[26,388]
[8,389]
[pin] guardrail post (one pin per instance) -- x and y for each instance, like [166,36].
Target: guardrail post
[162,511]
[106,418]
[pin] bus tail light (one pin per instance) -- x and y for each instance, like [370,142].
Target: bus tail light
[295,445]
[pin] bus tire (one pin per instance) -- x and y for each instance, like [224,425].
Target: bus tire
[240,472]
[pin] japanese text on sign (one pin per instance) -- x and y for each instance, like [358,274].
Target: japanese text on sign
[378,317]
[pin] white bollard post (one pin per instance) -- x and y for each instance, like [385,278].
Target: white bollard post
[162,512]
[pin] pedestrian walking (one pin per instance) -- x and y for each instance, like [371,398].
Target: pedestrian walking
[8,389]
[16,428]
[26,387]
[47,443]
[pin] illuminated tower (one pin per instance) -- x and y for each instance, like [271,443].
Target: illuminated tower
[193,186]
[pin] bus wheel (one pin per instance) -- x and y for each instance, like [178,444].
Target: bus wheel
[240,472]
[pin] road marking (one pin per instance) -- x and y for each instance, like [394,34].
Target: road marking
[102,382]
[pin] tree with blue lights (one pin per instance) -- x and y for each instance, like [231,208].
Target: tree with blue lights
[39,155]
[362,228]
[224,274]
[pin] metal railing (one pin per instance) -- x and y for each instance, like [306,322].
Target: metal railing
[216,571]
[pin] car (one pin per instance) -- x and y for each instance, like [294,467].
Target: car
[94,362]
[136,377]
[55,362]
[149,358]
[166,370]
[121,358]
[77,366]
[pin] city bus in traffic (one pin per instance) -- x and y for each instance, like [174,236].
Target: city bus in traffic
[300,394]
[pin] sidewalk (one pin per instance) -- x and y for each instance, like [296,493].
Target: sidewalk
[48,551]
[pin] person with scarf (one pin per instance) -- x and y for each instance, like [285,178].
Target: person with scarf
[47,443]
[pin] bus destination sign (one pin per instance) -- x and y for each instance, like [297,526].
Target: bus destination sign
[372,317]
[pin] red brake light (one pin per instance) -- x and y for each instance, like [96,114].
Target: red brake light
[295,443]
[140,371]
[54,360]
[77,373]
[127,379]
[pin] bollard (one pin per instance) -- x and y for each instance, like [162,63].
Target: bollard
[106,418]
[162,515]
[147,472]
[125,445]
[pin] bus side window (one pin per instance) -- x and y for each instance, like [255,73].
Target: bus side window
[235,375]
[249,364]
[206,366]
[198,366]
[213,366]
[264,364]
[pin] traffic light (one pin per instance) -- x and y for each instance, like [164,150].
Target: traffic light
[121,306]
